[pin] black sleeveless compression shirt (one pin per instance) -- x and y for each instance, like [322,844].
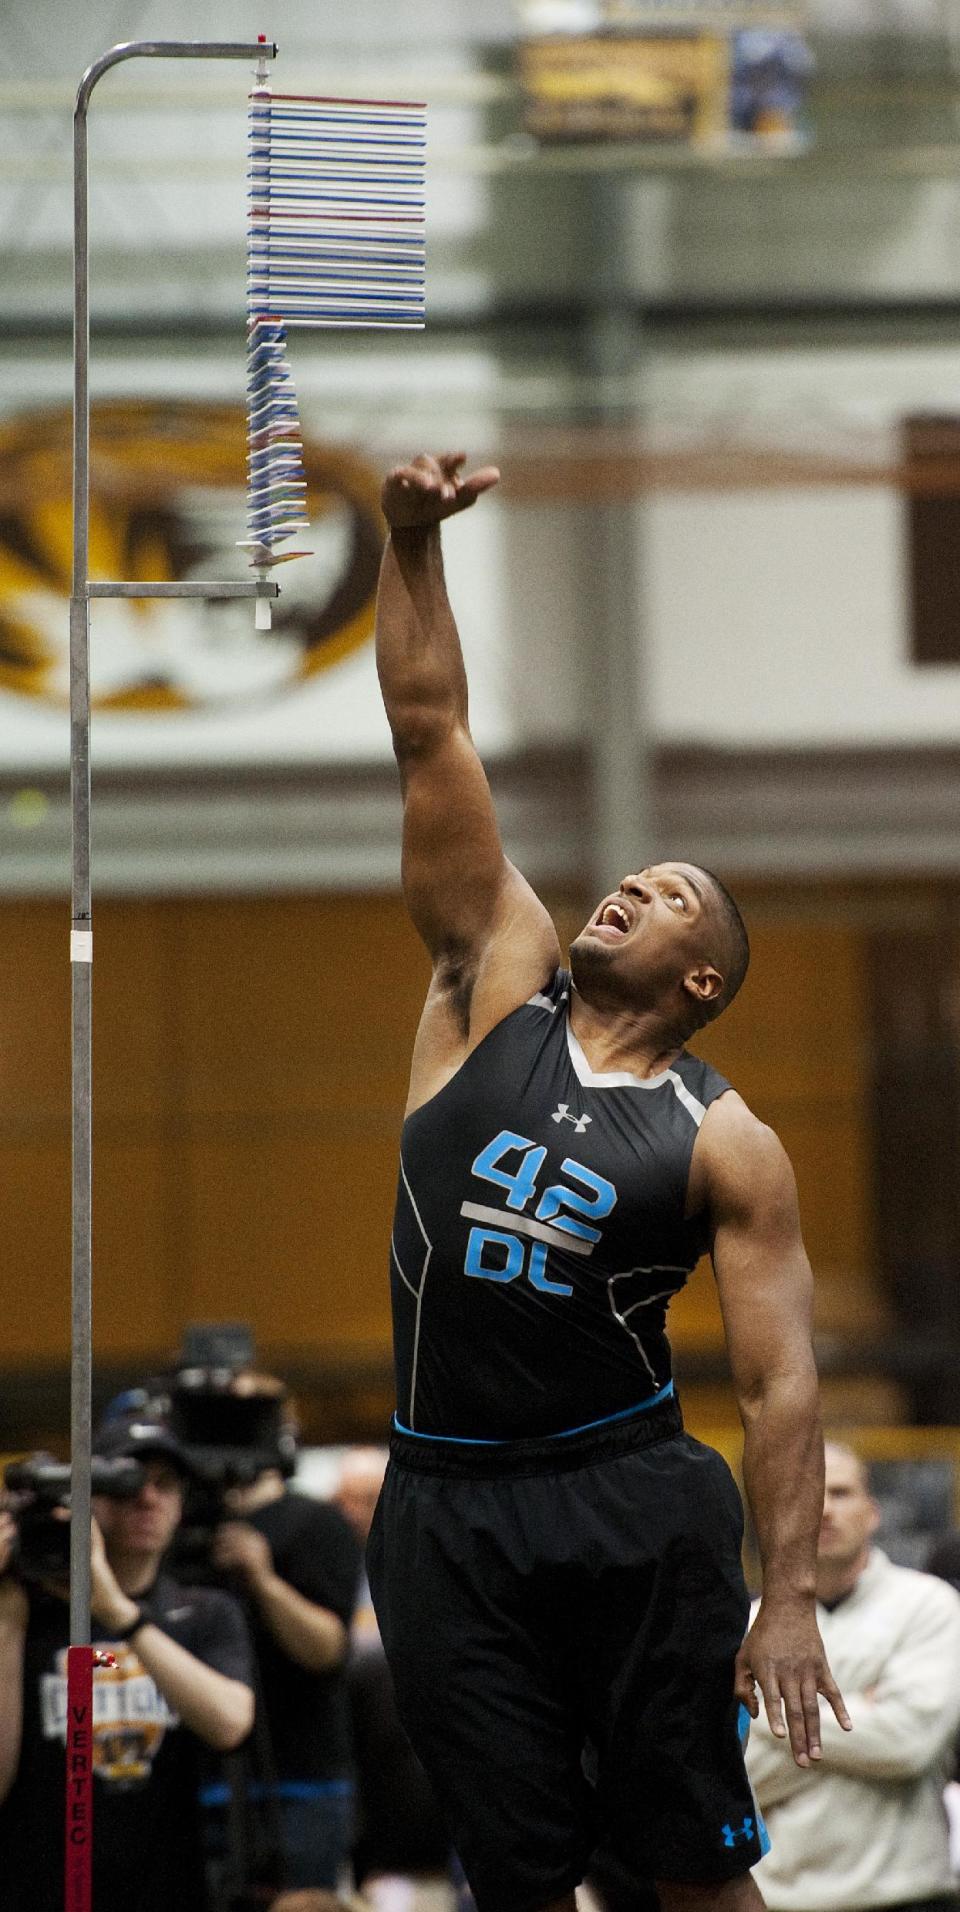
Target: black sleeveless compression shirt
[540,1233]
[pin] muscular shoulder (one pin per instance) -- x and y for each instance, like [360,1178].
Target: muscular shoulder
[740,1164]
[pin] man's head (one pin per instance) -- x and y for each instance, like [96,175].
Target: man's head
[670,939]
[145,1524]
[850,1515]
[142,1524]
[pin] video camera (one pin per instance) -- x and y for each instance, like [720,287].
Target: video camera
[232,1425]
[232,1432]
[39,1494]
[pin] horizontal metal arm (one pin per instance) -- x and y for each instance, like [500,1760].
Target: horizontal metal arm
[185,588]
[171,50]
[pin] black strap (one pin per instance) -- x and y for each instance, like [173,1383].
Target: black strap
[142,1618]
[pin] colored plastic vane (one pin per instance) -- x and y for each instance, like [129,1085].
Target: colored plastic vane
[336,239]
[276,481]
[336,211]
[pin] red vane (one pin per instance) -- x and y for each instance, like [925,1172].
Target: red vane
[348,218]
[324,99]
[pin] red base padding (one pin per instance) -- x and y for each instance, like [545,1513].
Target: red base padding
[79,1779]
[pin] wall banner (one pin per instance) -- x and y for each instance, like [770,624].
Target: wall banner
[167,502]
[697,73]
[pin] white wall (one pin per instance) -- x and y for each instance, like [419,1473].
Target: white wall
[778,620]
[765,617]
[780,617]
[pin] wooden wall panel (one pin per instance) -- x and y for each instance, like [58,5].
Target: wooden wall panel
[293,1233]
[139,1286]
[795,1046]
[297,1006]
[297,1017]
[250,1063]
[34,1016]
[798,1029]
[35,1211]
[251,1060]
[134,1016]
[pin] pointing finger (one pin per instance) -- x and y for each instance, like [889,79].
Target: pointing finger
[468,490]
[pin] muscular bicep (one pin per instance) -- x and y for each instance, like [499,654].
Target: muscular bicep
[763,1276]
[453,862]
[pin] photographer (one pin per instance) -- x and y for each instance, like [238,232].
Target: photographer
[297,1562]
[181,1680]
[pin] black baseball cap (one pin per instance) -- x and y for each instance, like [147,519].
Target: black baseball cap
[141,1441]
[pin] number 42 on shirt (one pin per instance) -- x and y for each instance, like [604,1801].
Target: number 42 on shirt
[563,1217]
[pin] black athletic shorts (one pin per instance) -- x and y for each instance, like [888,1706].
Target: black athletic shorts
[561,1619]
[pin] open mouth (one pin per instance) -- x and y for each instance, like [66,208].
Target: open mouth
[613,918]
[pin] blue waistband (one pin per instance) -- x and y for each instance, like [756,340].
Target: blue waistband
[564,1433]
[218,1793]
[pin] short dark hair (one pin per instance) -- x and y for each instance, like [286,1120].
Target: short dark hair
[736,960]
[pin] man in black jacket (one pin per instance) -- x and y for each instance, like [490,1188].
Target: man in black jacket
[297,1563]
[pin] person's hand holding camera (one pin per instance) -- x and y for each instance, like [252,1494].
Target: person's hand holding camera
[108,1603]
[113,1608]
[8,1541]
[14,1605]
[14,1619]
[240,1548]
[310,1634]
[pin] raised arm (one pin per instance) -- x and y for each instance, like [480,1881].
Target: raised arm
[490,939]
[215,1706]
[765,1288]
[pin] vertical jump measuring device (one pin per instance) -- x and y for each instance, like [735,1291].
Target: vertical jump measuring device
[336,239]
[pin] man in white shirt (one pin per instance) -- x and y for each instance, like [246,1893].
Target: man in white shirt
[866,1826]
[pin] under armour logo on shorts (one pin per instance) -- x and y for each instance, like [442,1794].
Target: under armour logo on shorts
[735,1836]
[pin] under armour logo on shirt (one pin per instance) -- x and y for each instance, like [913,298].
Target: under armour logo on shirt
[562,1114]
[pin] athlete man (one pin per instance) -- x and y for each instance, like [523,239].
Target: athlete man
[555,1564]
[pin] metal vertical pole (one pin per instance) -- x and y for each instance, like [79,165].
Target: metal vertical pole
[624,831]
[81,936]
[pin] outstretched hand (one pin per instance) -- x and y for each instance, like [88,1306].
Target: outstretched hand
[783,1654]
[429,489]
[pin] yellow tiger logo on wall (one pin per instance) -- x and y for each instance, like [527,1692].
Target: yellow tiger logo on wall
[167,501]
